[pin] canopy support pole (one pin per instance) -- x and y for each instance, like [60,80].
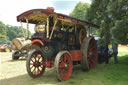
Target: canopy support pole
[53,29]
[47,28]
[22,29]
[27,32]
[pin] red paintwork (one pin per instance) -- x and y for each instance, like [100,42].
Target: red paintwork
[65,66]
[37,42]
[49,64]
[92,54]
[76,55]
[47,40]
[34,11]
[59,16]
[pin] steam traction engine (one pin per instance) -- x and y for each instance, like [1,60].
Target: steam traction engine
[59,41]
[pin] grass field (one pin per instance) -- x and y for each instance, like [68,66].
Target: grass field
[14,73]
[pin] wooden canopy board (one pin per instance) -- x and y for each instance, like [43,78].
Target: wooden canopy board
[40,15]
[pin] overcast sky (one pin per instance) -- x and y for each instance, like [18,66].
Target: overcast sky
[9,9]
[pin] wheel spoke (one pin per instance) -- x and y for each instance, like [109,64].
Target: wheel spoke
[31,67]
[39,58]
[34,57]
[42,66]
[32,60]
[61,72]
[62,60]
[61,65]
[34,69]
[39,69]
[31,63]
[67,60]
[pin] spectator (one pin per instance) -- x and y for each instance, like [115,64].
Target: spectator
[115,51]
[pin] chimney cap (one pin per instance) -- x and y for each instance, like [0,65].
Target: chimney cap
[51,9]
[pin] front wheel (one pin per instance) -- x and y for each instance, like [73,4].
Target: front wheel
[63,65]
[35,64]
[15,55]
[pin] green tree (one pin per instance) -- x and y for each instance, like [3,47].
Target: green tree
[8,32]
[80,11]
[14,32]
[112,16]
[120,31]
[3,32]
[98,14]
[119,28]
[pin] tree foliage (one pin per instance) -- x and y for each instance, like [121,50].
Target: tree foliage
[112,16]
[14,32]
[119,11]
[8,32]
[3,32]
[80,11]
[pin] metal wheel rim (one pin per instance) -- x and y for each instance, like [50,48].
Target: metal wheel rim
[35,64]
[63,66]
[92,54]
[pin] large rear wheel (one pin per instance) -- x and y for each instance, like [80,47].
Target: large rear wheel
[35,64]
[89,53]
[63,65]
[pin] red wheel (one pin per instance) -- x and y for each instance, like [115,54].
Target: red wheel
[16,55]
[63,65]
[35,64]
[92,54]
[89,53]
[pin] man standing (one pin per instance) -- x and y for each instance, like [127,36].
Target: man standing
[115,51]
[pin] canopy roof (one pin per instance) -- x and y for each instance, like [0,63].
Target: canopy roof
[40,15]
